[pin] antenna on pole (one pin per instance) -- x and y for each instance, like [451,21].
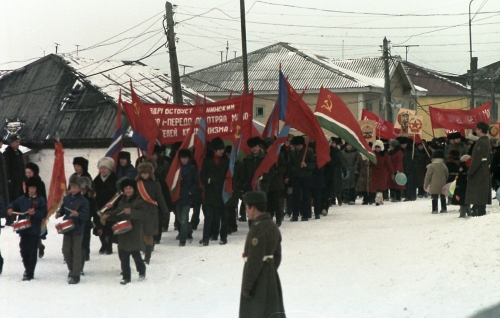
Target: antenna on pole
[407,48]
[57,45]
[227,49]
[221,56]
[234,54]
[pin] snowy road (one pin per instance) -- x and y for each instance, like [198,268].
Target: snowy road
[396,260]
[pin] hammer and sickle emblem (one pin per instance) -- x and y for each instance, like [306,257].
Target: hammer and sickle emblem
[328,105]
[136,109]
[237,134]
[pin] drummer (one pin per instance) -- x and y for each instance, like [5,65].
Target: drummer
[131,207]
[75,207]
[33,208]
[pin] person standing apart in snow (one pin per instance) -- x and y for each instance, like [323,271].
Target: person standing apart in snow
[130,207]
[396,157]
[36,208]
[478,176]
[461,187]
[435,179]
[189,187]
[349,177]
[75,207]
[261,294]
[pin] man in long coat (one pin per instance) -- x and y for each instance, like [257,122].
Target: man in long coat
[261,294]
[478,176]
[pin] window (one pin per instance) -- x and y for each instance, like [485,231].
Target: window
[368,105]
[259,111]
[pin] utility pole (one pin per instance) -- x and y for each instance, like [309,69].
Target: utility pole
[174,67]
[244,45]
[473,62]
[407,48]
[227,49]
[221,56]
[387,83]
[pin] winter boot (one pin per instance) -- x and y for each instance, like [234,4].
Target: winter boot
[41,249]
[1,263]
[474,211]
[147,256]
[379,198]
[435,206]
[339,199]
[443,205]
[463,212]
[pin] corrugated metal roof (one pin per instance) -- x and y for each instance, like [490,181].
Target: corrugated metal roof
[303,68]
[61,94]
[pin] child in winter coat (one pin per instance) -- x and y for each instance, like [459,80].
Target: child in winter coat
[435,178]
[461,187]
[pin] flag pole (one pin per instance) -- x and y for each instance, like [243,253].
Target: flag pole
[413,150]
[305,152]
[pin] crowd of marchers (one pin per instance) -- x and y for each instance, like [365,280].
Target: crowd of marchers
[131,204]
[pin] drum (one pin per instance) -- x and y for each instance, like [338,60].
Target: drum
[122,227]
[65,226]
[21,225]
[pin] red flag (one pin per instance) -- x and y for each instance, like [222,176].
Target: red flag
[301,117]
[143,124]
[174,176]
[384,129]
[459,119]
[57,183]
[271,129]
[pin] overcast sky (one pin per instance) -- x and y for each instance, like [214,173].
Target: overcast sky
[129,29]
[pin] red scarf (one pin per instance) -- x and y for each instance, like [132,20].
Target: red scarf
[144,193]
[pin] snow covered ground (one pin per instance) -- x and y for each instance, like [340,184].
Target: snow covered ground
[396,260]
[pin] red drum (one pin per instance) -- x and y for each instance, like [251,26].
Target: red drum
[65,226]
[21,225]
[122,227]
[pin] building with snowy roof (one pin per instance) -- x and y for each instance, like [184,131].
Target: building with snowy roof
[359,82]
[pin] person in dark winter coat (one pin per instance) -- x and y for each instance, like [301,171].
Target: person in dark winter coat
[409,167]
[276,186]
[150,191]
[435,179]
[75,207]
[81,166]
[327,195]
[300,174]
[349,157]
[379,173]
[336,161]
[423,160]
[495,169]
[478,175]
[4,184]
[161,172]
[461,187]
[131,207]
[250,164]
[36,208]
[3,213]
[32,171]
[189,187]
[396,157]
[261,293]
[104,191]
[452,164]
[125,167]
[14,164]
[212,175]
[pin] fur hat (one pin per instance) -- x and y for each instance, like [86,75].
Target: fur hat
[12,138]
[268,142]
[124,155]
[152,162]
[378,143]
[255,197]
[185,153]
[394,143]
[472,137]
[33,167]
[228,149]
[158,149]
[32,182]
[217,144]
[88,183]
[82,162]
[438,154]
[127,182]
[106,162]
[145,167]
[77,180]
[338,141]
[464,158]
[454,154]
[298,140]
[255,141]
[403,140]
